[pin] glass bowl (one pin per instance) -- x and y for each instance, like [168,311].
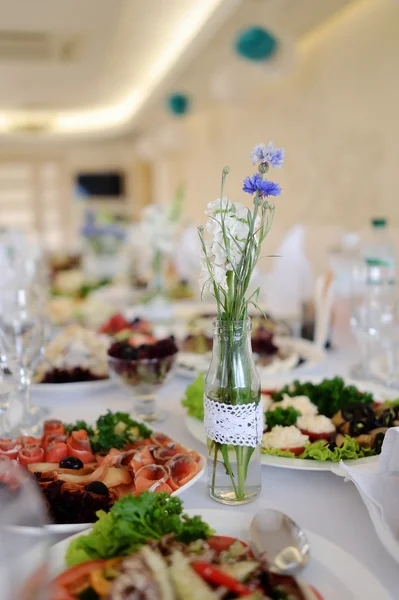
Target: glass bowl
[144,377]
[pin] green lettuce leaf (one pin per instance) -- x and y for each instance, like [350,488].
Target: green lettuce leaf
[193,399]
[278,452]
[350,450]
[131,523]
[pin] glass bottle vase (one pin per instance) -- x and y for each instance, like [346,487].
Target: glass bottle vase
[233,416]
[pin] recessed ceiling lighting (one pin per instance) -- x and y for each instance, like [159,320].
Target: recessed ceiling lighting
[120,113]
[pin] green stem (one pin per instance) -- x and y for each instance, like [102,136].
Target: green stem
[224,449]
[249,453]
[215,460]
[241,473]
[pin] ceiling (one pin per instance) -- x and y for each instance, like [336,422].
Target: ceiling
[79,67]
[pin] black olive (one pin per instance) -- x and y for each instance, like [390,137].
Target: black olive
[386,418]
[348,413]
[98,487]
[356,427]
[378,441]
[71,462]
[136,320]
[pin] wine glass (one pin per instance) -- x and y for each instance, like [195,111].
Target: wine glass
[21,338]
[24,542]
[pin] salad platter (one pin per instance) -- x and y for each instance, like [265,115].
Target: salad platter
[312,424]
[201,553]
[82,469]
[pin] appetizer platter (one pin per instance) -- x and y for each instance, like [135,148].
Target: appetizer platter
[148,547]
[82,469]
[74,356]
[313,424]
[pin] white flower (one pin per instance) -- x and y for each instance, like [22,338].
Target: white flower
[218,253]
[217,205]
[158,229]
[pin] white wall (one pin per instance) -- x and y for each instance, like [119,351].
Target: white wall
[337,117]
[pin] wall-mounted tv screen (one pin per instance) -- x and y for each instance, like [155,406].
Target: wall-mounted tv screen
[100,185]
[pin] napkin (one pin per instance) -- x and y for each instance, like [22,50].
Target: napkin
[291,280]
[378,486]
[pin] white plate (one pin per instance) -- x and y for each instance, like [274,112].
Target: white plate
[331,570]
[190,364]
[71,528]
[196,428]
[72,388]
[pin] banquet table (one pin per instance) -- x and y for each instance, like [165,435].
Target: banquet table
[319,501]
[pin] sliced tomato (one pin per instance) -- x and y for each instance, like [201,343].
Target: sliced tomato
[60,593]
[76,579]
[316,436]
[296,451]
[114,324]
[317,594]
[79,446]
[55,452]
[30,454]
[220,543]
[217,577]
[268,392]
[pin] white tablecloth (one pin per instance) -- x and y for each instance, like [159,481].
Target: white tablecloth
[320,502]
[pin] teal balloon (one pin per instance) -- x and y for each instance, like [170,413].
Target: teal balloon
[178,104]
[255,43]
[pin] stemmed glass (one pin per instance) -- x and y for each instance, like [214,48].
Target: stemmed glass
[21,338]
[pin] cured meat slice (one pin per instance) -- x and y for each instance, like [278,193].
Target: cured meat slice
[160,439]
[53,426]
[30,454]
[142,457]
[163,455]
[28,440]
[55,452]
[9,448]
[52,437]
[79,446]
[116,457]
[153,478]
[182,468]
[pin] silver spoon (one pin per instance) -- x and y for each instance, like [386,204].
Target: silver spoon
[282,541]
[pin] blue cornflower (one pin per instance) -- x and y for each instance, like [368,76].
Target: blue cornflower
[269,188]
[268,154]
[264,187]
[250,184]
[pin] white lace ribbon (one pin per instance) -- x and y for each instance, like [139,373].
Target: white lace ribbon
[238,425]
